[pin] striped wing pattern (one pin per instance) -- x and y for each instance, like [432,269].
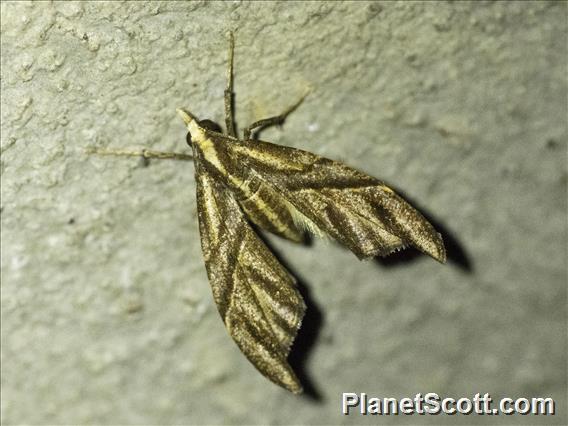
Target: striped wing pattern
[256,296]
[355,209]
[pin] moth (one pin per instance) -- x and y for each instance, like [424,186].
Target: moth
[289,192]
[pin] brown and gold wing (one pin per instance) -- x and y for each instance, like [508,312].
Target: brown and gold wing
[256,296]
[355,209]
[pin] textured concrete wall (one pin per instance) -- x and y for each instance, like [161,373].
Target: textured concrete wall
[107,316]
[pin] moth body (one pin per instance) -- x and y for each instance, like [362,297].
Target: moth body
[288,192]
[285,191]
[260,202]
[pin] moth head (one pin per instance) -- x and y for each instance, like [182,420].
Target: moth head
[204,125]
[199,128]
[191,123]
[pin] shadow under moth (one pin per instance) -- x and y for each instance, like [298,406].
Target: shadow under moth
[288,192]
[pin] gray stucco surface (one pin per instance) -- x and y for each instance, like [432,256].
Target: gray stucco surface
[107,315]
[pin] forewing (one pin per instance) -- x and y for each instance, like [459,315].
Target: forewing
[256,296]
[357,210]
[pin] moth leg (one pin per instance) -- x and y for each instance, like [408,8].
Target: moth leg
[271,121]
[144,153]
[229,99]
